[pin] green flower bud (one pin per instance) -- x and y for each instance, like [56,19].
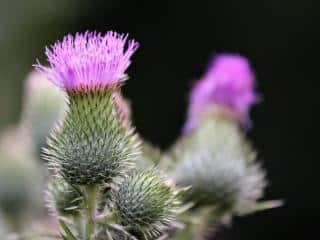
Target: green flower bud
[93,144]
[214,181]
[63,199]
[219,164]
[146,204]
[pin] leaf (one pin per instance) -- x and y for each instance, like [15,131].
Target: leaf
[67,231]
[260,206]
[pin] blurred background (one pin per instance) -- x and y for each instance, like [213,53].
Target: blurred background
[281,39]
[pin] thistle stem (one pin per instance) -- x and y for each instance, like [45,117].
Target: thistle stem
[90,211]
[78,224]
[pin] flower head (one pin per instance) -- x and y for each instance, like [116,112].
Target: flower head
[229,85]
[88,60]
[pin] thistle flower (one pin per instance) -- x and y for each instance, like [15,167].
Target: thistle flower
[146,204]
[93,144]
[89,61]
[228,87]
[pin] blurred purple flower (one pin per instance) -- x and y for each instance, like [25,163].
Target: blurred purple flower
[88,60]
[227,85]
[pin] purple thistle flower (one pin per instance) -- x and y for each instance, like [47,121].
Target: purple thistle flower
[228,85]
[88,60]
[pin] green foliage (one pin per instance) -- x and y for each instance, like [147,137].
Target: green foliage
[92,145]
[68,234]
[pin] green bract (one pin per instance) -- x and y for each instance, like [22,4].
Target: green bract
[219,164]
[92,145]
[146,204]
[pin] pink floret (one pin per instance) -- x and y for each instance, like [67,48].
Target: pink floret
[88,61]
[229,83]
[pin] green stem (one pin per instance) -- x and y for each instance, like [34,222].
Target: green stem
[90,211]
[78,224]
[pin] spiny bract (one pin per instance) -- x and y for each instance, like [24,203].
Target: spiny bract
[92,145]
[219,164]
[146,203]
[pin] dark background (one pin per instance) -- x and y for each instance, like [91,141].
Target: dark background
[280,37]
